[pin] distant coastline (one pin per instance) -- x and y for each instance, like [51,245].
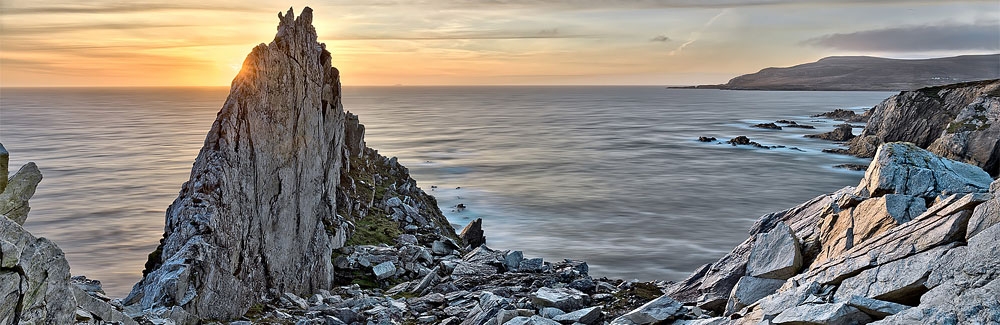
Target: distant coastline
[865,73]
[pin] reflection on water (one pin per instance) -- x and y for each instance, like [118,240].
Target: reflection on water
[611,175]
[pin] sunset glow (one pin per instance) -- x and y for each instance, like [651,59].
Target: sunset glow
[670,42]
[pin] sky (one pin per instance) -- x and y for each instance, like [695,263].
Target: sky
[478,42]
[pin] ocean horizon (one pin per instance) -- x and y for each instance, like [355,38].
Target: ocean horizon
[613,175]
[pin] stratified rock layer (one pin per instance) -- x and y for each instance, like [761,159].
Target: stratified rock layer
[258,216]
[960,122]
[912,243]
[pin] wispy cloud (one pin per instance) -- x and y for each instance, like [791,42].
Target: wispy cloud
[696,35]
[468,35]
[119,8]
[982,36]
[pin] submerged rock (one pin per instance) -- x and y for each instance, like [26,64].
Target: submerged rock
[843,132]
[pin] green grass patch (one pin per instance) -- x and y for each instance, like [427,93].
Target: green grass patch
[374,229]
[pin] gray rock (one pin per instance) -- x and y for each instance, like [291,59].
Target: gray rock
[842,132]
[20,188]
[788,297]
[550,312]
[35,284]
[296,301]
[750,289]
[704,321]
[831,314]
[532,265]
[444,246]
[384,270]
[986,214]
[562,298]
[472,234]
[903,168]
[659,310]
[900,281]
[4,167]
[875,308]
[776,254]
[407,239]
[868,219]
[533,320]
[512,261]
[584,316]
[963,286]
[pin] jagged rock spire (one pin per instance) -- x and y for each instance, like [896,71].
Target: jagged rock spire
[258,216]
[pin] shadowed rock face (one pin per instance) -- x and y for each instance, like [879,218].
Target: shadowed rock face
[258,216]
[960,122]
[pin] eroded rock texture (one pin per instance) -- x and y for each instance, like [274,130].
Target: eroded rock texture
[258,216]
[960,122]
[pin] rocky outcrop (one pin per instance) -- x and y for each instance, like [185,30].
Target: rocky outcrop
[846,115]
[842,132]
[16,190]
[960,122]
[258,216]
[35,284]
[284,179]
[901,247]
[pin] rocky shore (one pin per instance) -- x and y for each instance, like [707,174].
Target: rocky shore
[289,218]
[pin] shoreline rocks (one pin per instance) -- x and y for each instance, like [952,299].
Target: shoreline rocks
[959,121]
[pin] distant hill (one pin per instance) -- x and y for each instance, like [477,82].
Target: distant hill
[869,73]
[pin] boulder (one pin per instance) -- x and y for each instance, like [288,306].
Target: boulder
[830,314]
[562,298]
[19,188]
[903,168]
[384,270]
[583,316]
[963,286]
[877,309]
[842,132]
[770,126]
[533,320]
[986,214]
[472,234]
[775,255]
[749,290]
[901,281]
[4,167]
[660,309]
[870,218]
[259,215]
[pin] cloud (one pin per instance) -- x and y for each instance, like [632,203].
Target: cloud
[696,35]
[659,38]
[980,36]
[633,4]
[118,8]
[485,35]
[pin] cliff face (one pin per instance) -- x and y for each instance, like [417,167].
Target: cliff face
[869,73]
[960,122]
[901,247]
[283,179]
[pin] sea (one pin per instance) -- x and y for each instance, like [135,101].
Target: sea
[614,176]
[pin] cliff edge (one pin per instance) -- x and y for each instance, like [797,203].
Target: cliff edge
[959,121]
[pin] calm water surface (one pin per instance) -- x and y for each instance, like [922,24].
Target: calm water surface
[610,175]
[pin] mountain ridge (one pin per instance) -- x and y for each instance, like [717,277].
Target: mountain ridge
[861,73]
